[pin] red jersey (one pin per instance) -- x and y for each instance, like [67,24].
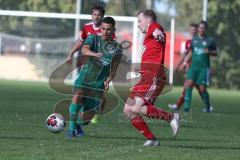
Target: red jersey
[188,44]
[187,49]
[153,54]
[90,29]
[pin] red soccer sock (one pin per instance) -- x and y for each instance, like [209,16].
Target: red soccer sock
[157,113]
[181,99]
[142,127]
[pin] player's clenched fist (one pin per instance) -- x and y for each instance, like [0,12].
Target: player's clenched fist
[159,35]
[99,55]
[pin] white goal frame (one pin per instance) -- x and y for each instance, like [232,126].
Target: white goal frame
[77,16]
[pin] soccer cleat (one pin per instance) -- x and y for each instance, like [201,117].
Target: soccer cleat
[172,106]
[175,124]
[208,109]
[95,119]
[70,134]
[151,143]
[79,131]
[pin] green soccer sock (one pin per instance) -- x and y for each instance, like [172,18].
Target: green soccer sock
[205,98]
[73,109]
[187,99]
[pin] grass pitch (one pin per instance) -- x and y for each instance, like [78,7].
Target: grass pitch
[24,107]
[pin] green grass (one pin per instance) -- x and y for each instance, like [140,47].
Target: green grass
[24,107]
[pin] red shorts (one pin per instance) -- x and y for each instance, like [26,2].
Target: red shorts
[149,86]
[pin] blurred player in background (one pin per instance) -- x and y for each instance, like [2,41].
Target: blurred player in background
[193,31]
[90,28]
[202,47]
[141,99]
[103,57]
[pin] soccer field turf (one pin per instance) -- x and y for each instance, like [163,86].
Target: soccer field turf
[26,105]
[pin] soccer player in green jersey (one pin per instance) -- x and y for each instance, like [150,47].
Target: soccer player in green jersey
[102,57]
[192,31]
[202,47]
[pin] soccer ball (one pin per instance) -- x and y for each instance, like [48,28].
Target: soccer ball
[55,123]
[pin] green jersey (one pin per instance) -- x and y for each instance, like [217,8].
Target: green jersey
[95,71]
[198,45]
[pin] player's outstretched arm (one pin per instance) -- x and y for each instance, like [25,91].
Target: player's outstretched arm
[183,60]
[87,52]
[159,35]
[75,48]
[180,62]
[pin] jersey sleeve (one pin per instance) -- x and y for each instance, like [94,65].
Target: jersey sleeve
[152,27]
[90,40]
[84,34]
[188,45]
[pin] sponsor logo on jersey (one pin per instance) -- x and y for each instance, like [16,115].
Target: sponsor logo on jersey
[198,50]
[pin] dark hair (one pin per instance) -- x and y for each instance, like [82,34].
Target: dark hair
[193,25]
[109,20]
[99,8]
[149,13]
[203,22]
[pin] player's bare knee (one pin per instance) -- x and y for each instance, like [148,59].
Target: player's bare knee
[143,110]
[127,109]
[136,109]
[189,84]
[77,97]
[202,89]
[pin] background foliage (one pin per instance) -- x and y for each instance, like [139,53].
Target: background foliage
[222,17]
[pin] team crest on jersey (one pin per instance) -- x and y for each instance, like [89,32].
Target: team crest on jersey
[204,43]
[110,47]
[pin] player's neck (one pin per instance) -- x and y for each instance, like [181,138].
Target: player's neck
[148,26]
[96,25]
[202,36]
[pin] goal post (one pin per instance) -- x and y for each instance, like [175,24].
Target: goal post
[172,39]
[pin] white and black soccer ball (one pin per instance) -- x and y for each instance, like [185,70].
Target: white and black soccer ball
[55,123]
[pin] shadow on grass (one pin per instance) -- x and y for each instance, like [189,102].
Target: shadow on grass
[202,147]
[177,146]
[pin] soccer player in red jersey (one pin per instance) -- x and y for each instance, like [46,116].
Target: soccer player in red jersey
[92,27]
[193,31]
[141,99]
